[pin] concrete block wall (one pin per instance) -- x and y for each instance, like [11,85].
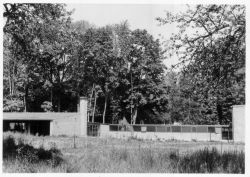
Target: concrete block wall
[71,124]
[67,125]
[163,136]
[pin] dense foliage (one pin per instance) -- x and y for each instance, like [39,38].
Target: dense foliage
[210,45]
[50,61]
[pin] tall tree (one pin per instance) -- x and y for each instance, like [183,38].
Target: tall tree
[28,26]
[139,90]
[210,44]
[147,70]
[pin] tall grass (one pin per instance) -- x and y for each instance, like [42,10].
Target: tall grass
[116,156]
[211,161]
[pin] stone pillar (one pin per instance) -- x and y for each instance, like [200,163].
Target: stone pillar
[83,116]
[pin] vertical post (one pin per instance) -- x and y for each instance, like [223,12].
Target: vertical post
[221,148]
[75,132]
[29,128]
[83,116]
[74,141]
[51,128]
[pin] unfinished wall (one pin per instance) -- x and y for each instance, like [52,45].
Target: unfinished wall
[238,123]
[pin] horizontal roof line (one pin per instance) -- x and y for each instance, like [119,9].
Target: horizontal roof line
[37,116]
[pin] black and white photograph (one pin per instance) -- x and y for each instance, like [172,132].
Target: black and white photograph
[154,88]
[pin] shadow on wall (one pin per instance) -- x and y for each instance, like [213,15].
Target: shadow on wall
[40,128]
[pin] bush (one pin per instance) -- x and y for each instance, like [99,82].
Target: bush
[13,104]
[47,106]
[9,147]
[28,154]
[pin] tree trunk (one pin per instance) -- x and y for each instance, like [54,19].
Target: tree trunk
[13,78]
[26,97]
[10,79]
[134,115]
[219,112]
[51,95]
[59,102]
[90,102]
[51,90]
[189,108]
[10,85]
[93,114]
[26,91]
[105,107]
[13,86]
[87,116]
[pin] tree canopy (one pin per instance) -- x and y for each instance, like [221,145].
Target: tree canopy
[50,61]
[210,45]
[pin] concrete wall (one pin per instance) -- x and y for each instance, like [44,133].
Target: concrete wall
[67,125]
[238,123]
[71,123]
[163,136]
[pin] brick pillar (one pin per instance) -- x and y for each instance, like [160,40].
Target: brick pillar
[83,116]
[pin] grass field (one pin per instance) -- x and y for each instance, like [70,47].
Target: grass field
[93,154]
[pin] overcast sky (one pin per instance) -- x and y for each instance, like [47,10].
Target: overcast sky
[140,16]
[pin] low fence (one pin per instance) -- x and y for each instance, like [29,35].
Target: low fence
[166,128]
[166,132]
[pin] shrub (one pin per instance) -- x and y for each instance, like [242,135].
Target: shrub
[28,154]
[9,147]
[13,104]
[47,106]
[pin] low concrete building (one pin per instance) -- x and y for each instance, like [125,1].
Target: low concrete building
[71,124]
[68,124]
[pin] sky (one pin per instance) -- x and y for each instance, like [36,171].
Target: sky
[139,16]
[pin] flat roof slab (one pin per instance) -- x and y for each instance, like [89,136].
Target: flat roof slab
[37,116]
